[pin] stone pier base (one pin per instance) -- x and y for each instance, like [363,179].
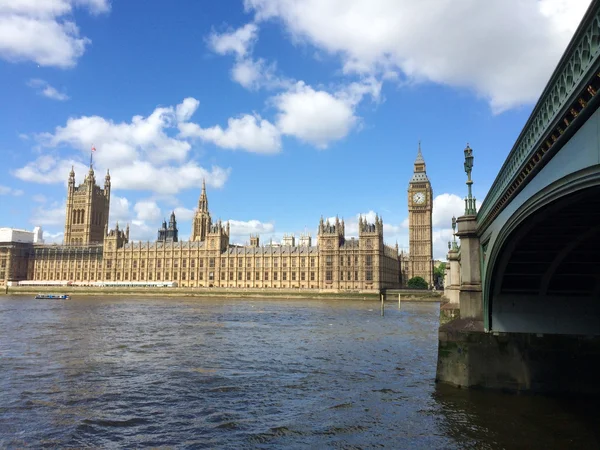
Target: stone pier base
[448,312]
[517,362]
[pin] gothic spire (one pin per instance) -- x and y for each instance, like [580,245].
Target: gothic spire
[419,159]
[203,201]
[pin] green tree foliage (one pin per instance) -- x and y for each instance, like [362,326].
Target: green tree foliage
[438,274]
[417,283]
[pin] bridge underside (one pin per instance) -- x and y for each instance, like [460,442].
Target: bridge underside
[547,279]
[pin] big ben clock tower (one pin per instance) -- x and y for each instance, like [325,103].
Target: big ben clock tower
[420,203]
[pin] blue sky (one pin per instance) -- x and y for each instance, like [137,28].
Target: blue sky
[290,109]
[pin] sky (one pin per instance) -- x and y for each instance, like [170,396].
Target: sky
[289,109]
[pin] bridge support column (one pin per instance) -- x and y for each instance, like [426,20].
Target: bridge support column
[452,289]
[447,276]
[470,296]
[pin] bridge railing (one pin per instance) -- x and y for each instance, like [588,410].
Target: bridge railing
[572,72]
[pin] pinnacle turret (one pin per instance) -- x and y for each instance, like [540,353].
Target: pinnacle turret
[203,201]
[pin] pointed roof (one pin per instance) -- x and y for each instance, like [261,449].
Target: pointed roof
[419,159]
[203,201]
[420,175]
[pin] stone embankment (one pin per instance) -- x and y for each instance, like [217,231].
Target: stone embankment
[390,295]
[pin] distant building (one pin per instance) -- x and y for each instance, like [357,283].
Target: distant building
[170,233]
[22,236]
[15,250]
[209,260]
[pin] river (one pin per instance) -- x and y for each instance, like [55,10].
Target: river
[267,374]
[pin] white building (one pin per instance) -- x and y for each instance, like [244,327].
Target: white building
[23,236]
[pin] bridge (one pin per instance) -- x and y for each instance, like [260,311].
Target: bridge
[525,278]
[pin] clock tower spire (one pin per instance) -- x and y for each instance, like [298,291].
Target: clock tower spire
[420,207]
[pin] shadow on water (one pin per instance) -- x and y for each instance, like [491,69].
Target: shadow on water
[483,419]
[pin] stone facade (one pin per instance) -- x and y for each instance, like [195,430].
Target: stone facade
[86,220]
[208,259]
[14,259]
[420,207]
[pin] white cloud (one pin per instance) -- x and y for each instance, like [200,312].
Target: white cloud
[141,175]
[121,213]
[441,237]
[247,132]
[47,169]
[505,50]
[184,214]
[249,72]
[241,229]
[316,117]
[237,41]
[120,143]
[446,206]
[41,30]
[45,89]
[257,73]
[147,210]
[141,231]
[53,238]
[51,92]
[5,190]
[52,215]
[119,210]
[39,198]
[140,153]
[186,109]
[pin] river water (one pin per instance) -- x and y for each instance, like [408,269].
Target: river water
[190,373]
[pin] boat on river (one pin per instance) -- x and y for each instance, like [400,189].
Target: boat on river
[53,296]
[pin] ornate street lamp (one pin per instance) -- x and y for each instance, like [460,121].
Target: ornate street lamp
[454,245]
[470,205]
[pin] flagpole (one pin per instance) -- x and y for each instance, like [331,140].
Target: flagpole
[92,150]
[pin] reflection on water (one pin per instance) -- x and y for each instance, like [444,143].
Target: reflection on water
[104,372]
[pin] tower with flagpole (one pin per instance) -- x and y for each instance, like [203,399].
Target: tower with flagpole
[88,204]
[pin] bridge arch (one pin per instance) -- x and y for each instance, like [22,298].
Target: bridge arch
[543,273]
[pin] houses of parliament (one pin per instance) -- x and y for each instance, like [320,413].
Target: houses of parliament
[93,254]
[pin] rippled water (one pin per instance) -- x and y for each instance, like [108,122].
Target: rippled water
[109,372]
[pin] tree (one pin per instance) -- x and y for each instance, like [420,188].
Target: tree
[417,283]
[438,274]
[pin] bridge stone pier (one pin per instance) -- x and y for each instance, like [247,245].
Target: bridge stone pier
[526,275]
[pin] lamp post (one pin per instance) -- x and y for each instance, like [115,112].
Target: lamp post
[470,205]
[454,245]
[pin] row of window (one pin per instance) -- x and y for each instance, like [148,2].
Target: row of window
[344,276]
[329,260]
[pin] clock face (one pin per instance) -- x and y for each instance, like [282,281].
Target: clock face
[419,198]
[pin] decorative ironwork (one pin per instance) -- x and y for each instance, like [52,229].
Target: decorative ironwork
[453,243]
[470,206]
[573,84]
